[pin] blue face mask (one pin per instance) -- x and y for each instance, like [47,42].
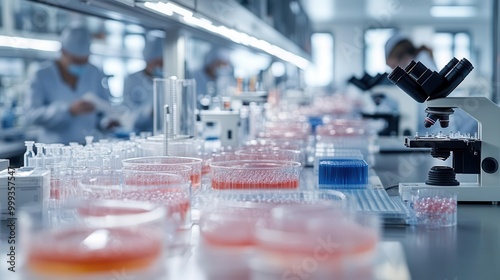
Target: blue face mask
[158,72]
[77,70]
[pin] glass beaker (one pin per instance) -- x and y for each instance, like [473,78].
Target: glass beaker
[180,97]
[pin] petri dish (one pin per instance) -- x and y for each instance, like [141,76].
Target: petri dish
[255,174]
[167,164]
[86,239]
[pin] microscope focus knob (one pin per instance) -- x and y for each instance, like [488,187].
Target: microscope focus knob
[489,165]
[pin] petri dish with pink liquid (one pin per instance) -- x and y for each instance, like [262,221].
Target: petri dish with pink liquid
[255,174]
[92,239]
[228,220]
[341,244]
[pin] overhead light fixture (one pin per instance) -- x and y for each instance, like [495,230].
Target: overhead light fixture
[453,11]
[229,33]
[29,43]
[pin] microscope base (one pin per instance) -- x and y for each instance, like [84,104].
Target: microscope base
[465,191]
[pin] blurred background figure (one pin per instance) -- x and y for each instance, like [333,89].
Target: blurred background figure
[69,97]
[215,75]
[138,87]
[400,51]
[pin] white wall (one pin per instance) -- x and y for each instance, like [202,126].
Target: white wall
[348,36]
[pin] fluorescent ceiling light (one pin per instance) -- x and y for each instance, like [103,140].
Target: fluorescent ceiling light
[159,7]
[229,33]
[453,11]
[168,9]
[29,43]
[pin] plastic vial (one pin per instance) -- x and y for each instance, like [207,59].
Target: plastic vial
[88,141]
[39,158]
[49,155]
[29,155]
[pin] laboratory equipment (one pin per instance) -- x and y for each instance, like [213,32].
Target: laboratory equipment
[29,155]
[168,164]
[342,174]
[342,244]
[329,151]
[170,190]
[32,187]
[270,153]
[40,157]
[180,97]
[59,187]
[4,164]
[92,239]
[435,208]
[366,82]
[228,220]
[255,174]
[222,125]
[471,155]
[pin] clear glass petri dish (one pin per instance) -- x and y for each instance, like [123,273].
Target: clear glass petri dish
[228,220]
[92,239]
[228,217]
[341,244]
[255,174]
[172,191]
[270,153]
[167,164]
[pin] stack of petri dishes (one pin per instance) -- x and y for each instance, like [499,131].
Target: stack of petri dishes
[93,239]
[230,220]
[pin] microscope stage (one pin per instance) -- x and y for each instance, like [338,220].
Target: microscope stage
[465,191]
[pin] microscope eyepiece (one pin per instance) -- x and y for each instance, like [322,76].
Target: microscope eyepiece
[401,78]
[448,67]
[422,84]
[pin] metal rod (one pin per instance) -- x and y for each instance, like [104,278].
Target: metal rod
[166,125]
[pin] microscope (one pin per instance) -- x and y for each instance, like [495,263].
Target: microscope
[478,154]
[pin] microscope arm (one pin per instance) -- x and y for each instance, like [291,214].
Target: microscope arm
[487,114]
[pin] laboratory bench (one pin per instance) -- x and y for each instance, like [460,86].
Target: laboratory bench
[470,250]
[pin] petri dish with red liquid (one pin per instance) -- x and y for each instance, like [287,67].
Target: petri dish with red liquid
[255,174]
[92,239]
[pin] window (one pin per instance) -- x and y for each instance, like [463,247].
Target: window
[320,71]
[375,39]
[450,44]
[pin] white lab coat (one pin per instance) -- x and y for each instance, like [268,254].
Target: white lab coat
[138,96]
[49,100]
[205,85]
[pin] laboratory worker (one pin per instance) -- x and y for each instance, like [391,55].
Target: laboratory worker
[65,94]
[213,77]
[400,51]
[138,87]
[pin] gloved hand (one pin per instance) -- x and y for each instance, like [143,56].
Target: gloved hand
[81,107]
